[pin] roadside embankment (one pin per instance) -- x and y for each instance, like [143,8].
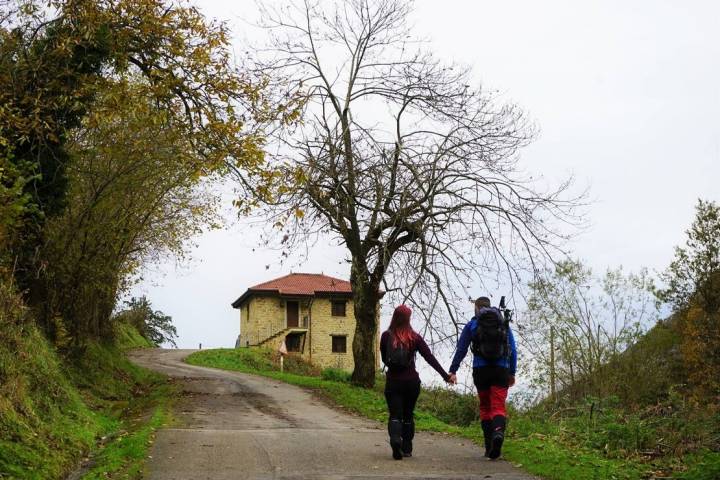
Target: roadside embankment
[86,409]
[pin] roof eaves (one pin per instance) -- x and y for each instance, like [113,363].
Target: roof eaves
[249,292]
[333,292]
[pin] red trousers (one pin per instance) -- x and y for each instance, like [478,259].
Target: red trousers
[492,402]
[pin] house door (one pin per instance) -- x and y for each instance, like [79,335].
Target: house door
[294,342]
[293,314]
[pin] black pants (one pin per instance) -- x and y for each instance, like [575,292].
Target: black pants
[401,397]
[491,376]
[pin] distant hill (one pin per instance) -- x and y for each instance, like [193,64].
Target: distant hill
[643,374]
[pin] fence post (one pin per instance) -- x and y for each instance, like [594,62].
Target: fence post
[552,363]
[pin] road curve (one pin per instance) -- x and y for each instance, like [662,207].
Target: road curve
[236,426]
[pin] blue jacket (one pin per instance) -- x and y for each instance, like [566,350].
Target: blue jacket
[464,343]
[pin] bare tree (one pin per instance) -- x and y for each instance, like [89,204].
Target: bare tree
[576,322]
[400,157]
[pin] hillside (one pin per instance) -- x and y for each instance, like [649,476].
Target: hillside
[55,410]
[639,407]
[655,360]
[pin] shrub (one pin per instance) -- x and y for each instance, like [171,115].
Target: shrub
[449,406]
[296,364]
[336,375]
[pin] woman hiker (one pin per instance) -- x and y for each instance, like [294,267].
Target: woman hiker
[398,346]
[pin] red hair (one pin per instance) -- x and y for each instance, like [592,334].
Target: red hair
[403,334]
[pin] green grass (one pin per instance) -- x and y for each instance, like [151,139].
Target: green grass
[537,446]
[134,400]
[703,465]
[54,410]
[579,447]
[127,337]
[124,455]
[44,423]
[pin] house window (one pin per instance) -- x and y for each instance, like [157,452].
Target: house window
[339,344]
[338,308]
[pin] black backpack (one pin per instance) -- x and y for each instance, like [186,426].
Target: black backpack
[397,357]
[491,340]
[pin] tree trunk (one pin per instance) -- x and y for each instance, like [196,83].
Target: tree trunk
[366,298]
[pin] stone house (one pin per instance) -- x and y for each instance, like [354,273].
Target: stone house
[312,312]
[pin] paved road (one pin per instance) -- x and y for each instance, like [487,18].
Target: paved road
[237,426]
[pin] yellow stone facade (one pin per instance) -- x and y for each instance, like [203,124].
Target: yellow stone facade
[263,317]
[263,321]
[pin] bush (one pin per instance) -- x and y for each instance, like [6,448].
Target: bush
[449,406]
[336,375]
[153,325]
[296,364]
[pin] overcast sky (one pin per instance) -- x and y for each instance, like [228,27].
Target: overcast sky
[627,97]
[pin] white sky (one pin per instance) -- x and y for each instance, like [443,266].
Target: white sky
[627,97]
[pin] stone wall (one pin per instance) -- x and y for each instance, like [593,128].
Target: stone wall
[324,326]
[265,318]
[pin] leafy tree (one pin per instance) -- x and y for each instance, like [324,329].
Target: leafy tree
[45,67]
[57,56]
[577,322]
[63,65]
[398,157]
[693,288]
[693,277]
[154,325]
[138,191]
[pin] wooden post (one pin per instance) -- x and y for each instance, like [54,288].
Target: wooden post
[552,364]
[282,349]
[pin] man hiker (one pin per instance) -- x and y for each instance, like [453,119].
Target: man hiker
[494,365]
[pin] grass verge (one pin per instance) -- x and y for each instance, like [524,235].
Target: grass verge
[549,448]
[123,456]
[56,410]
[133,401]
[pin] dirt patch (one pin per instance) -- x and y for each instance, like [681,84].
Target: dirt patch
[207,402]
[324,399]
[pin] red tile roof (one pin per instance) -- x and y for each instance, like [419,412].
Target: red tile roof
[299,284]
[305,284]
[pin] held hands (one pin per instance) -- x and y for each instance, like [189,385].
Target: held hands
[452,380]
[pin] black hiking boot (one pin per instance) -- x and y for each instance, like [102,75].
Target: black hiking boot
[408,433]
[395,432]
[487,433]
[497,437]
